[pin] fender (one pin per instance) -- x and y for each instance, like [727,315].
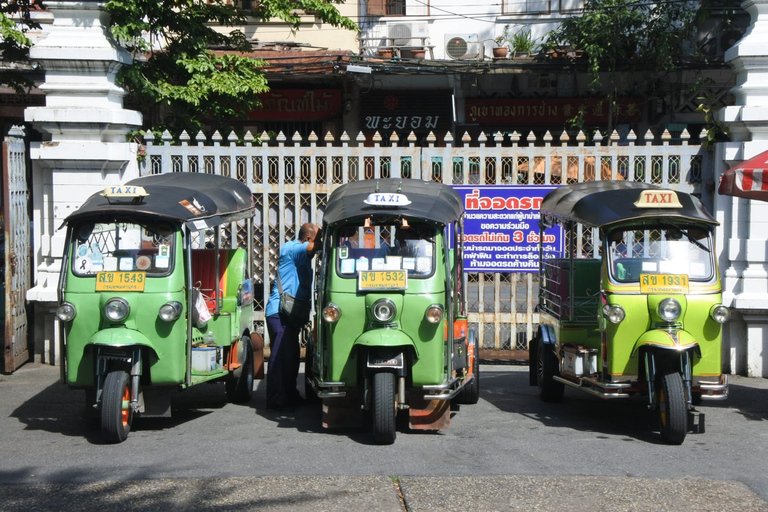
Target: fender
[121,337]
[675,340]
[386,338]
[548,334]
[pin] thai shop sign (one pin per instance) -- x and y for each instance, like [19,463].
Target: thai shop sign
[501,228]
[530,111]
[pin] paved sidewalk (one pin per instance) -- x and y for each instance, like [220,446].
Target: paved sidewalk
[381,493]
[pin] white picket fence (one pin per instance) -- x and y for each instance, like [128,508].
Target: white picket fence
[292,179]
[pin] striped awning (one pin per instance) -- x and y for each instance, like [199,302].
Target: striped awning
[748,179]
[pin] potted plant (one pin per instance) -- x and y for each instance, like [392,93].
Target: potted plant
[522,44]
[501,44]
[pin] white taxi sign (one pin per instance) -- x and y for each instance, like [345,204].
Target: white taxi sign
[387,199]
[658,199]
[124,192]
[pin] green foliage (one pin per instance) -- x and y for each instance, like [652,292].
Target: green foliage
[626,35]
[176,68]
[15,21]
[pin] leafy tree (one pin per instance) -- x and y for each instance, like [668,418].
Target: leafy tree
[175,68]
[15,21]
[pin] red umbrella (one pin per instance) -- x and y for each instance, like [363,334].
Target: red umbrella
[748,179]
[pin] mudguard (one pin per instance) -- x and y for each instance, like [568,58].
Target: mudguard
[548,334]
[386,338]
[122,338]
[677,340]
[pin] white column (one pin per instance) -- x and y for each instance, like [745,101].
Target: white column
[84,126]
[744,224]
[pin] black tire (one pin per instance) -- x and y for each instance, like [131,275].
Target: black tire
[547,366]
[240,386]
[309,392]
[116,412]
[533,369]
[470,394]
[671,406]
[384,413]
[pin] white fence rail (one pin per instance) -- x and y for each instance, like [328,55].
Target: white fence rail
[292,179]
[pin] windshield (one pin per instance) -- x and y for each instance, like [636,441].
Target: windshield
[385,248]
[665,250]
[122,246]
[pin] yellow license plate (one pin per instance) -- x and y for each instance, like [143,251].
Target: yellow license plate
[120,281]
[663,283]
[382,280]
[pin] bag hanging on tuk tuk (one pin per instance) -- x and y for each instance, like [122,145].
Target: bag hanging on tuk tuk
[296,310]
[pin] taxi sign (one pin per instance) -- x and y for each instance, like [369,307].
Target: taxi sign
[663,283]
[382,280]
[658,199]
[120,281]
[387,199]
[117,193]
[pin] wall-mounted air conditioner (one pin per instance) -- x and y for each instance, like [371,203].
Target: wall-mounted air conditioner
[463,46]
[407,34]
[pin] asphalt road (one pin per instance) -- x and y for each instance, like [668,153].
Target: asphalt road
[508,452]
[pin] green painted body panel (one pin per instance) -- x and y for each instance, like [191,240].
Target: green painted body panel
[425,341]
[166,342]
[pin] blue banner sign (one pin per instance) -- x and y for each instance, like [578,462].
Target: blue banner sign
[501,228]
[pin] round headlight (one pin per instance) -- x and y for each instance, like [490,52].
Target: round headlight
[669,310]
[170,311]
[331,313]
[434,313]
[384,310]
[614,313]
[116,310]
[66,312]
[720,313]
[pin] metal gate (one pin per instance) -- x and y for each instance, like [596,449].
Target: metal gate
[291,181]
[16,241]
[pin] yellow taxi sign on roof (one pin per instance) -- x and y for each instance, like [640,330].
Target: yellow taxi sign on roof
[658,199]
[124,193]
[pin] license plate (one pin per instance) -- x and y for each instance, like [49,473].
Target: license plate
[663,283]
[120,281]
[382,280]
[385,361]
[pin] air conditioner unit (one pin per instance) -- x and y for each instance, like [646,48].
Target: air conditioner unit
[463,46]
[404,34]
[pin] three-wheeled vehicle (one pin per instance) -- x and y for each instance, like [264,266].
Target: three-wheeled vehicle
[632,304]
[391,330]
[155,295]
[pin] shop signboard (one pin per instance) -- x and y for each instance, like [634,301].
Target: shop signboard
[501,228]
[299,105]
[548,111]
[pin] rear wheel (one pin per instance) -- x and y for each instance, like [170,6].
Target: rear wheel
[309,392]
[240,385]
[546,368]
[384,412]
[116,412]
[670,403]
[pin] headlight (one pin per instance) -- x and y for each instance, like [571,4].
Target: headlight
[116,310]
[614,313]
[384,310]
[720,313]
[434,314]
[170,311]
[331,313]
[669,310]
[66,312]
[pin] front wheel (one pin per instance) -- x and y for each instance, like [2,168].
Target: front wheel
[240,387]
[470,394]
[547,366]
[116,412]
[670,403]
[384,412]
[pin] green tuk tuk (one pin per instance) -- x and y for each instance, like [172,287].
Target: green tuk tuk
[632,303]
[391,328]
[155,295]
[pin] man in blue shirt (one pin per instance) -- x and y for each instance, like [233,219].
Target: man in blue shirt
[295,270]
